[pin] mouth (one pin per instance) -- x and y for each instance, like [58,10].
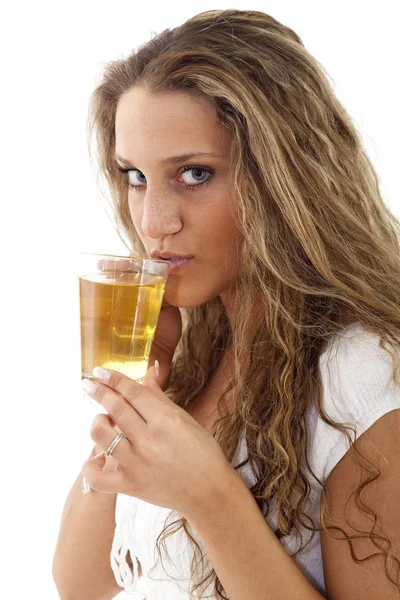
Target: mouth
[176,258]
[168,255]
[178,263]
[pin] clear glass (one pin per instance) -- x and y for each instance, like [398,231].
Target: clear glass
[120,302]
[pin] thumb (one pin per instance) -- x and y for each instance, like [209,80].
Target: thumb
[152,374]
[97,461]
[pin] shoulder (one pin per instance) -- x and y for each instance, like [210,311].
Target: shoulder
[357,374]
[357,389]
[354,351]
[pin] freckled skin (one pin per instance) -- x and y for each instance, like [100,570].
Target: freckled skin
[149,128]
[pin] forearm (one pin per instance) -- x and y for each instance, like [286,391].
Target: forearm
[81,563]
[243,549]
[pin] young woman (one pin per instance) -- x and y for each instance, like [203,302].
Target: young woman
[263,461]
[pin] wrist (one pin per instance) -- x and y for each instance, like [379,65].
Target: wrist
[206,510]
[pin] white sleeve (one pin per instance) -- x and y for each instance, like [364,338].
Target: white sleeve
[121,504]
[358,388]
[124,541]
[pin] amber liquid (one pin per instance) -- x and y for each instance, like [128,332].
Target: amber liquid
[118,320]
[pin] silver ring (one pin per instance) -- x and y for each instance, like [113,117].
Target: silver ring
[114,443]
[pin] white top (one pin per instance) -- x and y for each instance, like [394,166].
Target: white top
[351,361]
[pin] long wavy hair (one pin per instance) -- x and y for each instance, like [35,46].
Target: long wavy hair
[320,249]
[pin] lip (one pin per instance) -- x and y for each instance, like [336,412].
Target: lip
[177,265]
[167,254]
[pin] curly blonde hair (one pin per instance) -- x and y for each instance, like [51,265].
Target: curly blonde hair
[320,248]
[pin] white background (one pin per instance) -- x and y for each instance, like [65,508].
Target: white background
[52,54]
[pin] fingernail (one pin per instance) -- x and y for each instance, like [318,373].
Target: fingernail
[157,368]
[89,386]
[101,373]
[97,455]
[96,458]
[85,487]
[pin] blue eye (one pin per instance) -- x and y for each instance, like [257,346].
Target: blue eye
[198,171]
[131,173]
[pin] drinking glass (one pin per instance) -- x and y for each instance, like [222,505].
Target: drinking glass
[120,302]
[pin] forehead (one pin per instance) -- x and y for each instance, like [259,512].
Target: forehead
[167,120]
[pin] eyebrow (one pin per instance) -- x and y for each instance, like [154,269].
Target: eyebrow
[172,160]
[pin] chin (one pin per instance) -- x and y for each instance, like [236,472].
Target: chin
[186,299]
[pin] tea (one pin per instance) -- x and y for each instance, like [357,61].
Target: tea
[119,314]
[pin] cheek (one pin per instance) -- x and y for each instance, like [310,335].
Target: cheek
[228,234]
[132,211]
[136,216]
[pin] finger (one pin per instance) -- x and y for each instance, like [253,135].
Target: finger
[147,400]
[103,434]
[118,408]
[150,379]
[108,482]
[117,263]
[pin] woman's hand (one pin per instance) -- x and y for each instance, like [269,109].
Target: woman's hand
[168,459]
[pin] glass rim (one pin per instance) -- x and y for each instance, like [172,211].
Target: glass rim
[137,258]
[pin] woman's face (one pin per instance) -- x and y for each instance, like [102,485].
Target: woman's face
[150,130]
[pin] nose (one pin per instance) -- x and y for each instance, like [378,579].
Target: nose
[160,214]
